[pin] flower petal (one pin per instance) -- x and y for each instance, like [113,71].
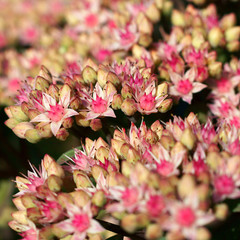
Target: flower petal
[95,227]
[197,87]
[41,118]
[55,127]
[190,74]
[109,113]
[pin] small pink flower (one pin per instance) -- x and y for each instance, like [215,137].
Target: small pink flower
[185,86]
[155,205]
[99,105]
[55,113]
[80,222]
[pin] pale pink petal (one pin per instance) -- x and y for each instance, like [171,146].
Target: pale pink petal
[197,87]
[115,207]
[175,78]
[92,115]
[205,219]
[109,113]
[70,113]
[66,225]
[187,98]
[79,236]
[190,74]
[41,118]
[55,127]
[95,227]
[65,99]
[47,101]
[173,91]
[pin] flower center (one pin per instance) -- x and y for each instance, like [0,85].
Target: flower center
[130,196]
[185,217]
[224,85]
[155,205]
[56,113]
[91,20]
[127,37]
[147,102]
[224,109]
[224,185]
[81,222]
[184,86]
[99,105]
[164,168]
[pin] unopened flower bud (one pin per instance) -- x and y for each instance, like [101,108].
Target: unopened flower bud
[127,168]
[75,103]
[80,198]
[96,124]
[178,18]
[142,172]
[81,180]
[153,231]
[46,233]
[129,223]
[144,24]
[53,91]
[62,134]
[21,128]
[28,201]
[153,13]
[113,78]
[18,114]
[52,167]
[81,119]
[41,84]
[11,123]
[117,101]
[232,34]
[44,130]
[126,91]
[64,199]
[59,232]
[97,170]
[32,113]
[145,40]
[45,73]
[102,75]
[20,216]
[221,211]
[157,128]
[188,138]
[129,107]
[101,143]
[167,142]
[89,75]
[228,21]
[102,154]
[99,198]
[151,137]
[67,122]
[167,7]
[54,183]
[162,89]
[215,69]
[18,203]
[203,234]
[166,105]
[215,36]
[213,160]
[233,46]
[34,214]
[64,91]
[186,185]
[32,136]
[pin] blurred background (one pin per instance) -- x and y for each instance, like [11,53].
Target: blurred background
[39,32]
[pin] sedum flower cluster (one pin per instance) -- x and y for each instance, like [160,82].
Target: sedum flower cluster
[164,180]
[117,75]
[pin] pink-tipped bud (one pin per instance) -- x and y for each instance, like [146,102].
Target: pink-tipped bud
[228,21]
[157,128]
[21,128]
[80,198]
[45,73]
[11,123]
[54,183]
[178,18]
[113,78]
[221,211]
[188,138]
[153,231]
[166,105]
[96,124]
[153,13]
[203,234]
[129,107]
[232,34]
[97,170]
[89,75]
[99,198]
[215,36]
[20,217]
[186,185]
[81,180]
[44,130]
[117,102]
[129,223]
[41,84]
[144,24]
[233,46]
[215,69]
[81,119]
[145,40]
[53,91]
[18,114]
[62,134]
[102,154]
[52,167]
[162,89]
[34,214]
[102,75]
[32,136]
[126,91]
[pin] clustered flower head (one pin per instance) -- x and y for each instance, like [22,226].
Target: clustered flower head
[105,65]
[165,180]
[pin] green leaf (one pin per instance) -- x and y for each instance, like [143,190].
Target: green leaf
[115,237]
[69,154]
